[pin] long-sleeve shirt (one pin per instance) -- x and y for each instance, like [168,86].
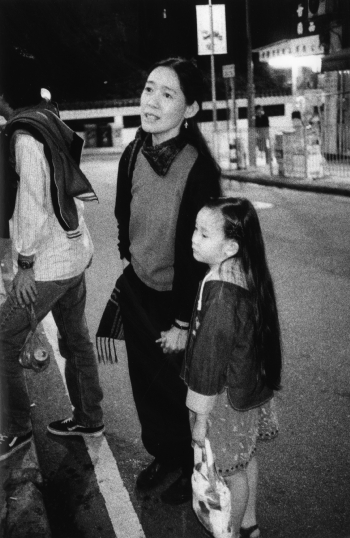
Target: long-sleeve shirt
[35,228]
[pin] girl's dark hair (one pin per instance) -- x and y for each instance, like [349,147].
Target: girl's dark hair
[241,223]
[192,84]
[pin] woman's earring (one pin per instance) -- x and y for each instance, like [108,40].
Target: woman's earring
[186,124]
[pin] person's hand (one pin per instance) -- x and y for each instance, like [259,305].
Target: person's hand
[24,287]
[199,430]
[173,341]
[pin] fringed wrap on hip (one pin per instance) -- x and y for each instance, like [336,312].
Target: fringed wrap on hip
[111,324]
[110,327]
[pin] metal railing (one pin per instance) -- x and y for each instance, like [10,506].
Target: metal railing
[312,152]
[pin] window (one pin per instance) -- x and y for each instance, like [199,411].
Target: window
[79,125]
[131,121]
[205,116]
[270,111]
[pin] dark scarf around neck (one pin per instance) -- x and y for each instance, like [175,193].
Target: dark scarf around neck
[162,156]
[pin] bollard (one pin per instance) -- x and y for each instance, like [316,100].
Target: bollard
[233,155]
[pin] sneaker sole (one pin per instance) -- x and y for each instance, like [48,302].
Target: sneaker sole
[8,454]
[81,434]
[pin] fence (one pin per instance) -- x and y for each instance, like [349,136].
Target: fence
[297,151]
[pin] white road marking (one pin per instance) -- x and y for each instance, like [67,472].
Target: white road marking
[51,332]
[262,205]
[123,517]
[120,509]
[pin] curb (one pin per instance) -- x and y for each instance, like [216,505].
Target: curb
[23,514]
[283,184]
[26,515]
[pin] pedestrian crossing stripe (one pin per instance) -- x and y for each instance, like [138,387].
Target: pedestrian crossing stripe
[262,205]
[121,512]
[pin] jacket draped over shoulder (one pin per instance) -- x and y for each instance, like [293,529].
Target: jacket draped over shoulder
[62,148]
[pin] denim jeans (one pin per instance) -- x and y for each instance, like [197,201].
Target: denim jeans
[66,299]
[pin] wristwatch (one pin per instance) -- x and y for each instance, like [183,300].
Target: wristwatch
[25,264]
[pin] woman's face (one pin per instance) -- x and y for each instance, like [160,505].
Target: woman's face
[163,105]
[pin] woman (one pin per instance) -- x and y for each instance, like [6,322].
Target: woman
[165,176]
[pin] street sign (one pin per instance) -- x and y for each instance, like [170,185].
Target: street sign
[228,71]
[204,29]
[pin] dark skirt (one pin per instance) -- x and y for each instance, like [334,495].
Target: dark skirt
[159,393]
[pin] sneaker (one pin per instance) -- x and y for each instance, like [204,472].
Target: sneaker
[69,426]
[10,444]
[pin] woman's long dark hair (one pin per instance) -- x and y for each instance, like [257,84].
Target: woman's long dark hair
[241,223]
[192,84]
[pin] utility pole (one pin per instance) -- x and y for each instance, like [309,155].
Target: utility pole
[212,65]
[250,92]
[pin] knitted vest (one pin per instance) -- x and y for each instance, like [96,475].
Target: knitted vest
[154,212]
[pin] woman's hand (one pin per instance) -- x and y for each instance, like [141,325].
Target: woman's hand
[173,341]
[199,430]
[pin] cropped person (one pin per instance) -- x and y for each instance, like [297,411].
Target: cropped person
[233,357]
[165,176]
[262,127]
[53,248]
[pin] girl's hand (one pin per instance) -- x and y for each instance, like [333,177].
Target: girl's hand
[200,429]
[173,341]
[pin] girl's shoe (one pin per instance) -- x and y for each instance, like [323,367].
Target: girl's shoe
[249,532]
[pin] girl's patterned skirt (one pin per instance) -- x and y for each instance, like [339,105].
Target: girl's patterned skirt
[234,434]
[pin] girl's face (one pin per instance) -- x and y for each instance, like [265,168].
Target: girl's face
[163,105]
[209,243]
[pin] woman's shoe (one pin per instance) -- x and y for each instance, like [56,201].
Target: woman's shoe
[153,475]
[249,532]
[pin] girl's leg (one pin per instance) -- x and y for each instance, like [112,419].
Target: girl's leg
[249,518]
[238,484]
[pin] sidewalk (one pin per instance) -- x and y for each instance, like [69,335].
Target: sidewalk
[22,509]
[22,513]
[261,176]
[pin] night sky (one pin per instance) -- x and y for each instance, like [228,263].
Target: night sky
[97,49]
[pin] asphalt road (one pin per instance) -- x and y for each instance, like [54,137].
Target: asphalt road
[305,474]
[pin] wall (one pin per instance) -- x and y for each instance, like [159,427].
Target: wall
[122,135]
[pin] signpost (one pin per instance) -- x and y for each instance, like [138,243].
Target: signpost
[205,31]
[211,36]
[250,91]
[228,72]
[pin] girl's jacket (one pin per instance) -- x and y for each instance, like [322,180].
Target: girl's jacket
[221,352]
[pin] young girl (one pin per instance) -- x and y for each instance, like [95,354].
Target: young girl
[233,357]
